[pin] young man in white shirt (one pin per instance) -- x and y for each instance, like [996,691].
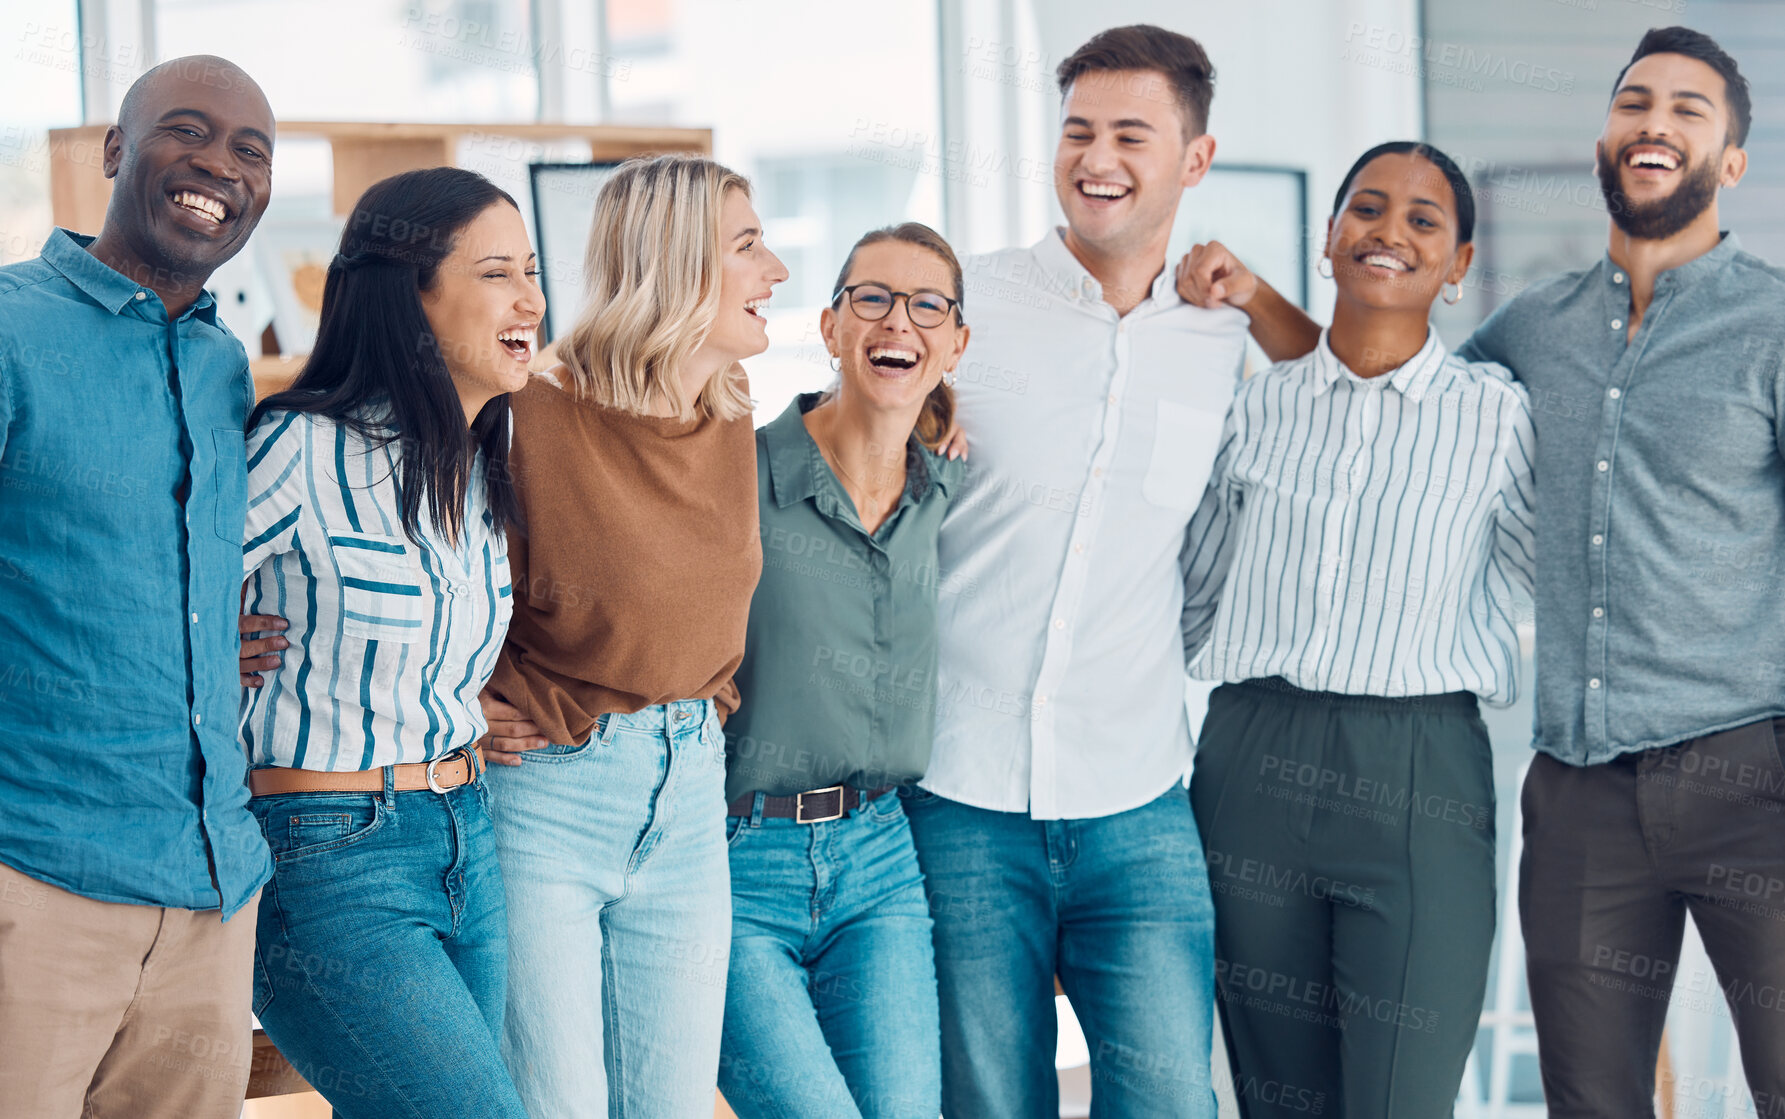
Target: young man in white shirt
[1053,825]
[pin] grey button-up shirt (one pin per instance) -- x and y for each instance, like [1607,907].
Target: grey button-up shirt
[1660,500]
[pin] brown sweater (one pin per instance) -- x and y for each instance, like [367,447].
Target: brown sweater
[635,562]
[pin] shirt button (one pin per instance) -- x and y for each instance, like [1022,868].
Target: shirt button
[197,719]
[195,619]
[1598,539]
[1079,548]
[1617,324]
[1599,611]
[141,295]
[1059,623]
[1112,398]
[1615,393]
[1617,277]
[1041,701]
[1593,683]
[1604,466]
[1097,472]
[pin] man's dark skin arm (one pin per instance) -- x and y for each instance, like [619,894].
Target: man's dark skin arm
[1211,276]
[261,654]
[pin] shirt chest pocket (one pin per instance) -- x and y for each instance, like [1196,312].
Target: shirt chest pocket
[231,481]
[1185,441]
[381,586]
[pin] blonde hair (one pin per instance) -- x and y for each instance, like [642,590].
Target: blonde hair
[652,283]
[938,407]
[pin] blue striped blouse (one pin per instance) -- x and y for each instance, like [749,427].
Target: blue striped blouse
[391,639]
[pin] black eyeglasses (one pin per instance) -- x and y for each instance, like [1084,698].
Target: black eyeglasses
[873,302]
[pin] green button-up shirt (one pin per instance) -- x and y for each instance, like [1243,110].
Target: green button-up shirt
[838,683]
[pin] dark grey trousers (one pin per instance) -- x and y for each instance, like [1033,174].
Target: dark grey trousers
[1615,857]
[1350,842]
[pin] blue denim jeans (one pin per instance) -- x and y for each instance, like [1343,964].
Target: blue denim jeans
[619,907]
[382,951]
[830,1011]
[1118,907]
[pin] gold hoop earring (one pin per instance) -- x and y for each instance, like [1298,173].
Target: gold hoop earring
[1325,267]
[836,364]
[1446,293]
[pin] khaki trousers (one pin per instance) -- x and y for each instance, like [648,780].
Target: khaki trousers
[113,1011]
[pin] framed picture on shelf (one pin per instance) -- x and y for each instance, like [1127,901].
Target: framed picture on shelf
[563,207]
[293,257]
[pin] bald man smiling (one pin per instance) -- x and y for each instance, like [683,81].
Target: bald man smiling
[130,868]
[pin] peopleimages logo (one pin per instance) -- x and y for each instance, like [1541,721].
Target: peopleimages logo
[1454,63]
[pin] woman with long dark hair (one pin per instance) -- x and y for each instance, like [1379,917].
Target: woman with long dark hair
[378,492]
[1351,577]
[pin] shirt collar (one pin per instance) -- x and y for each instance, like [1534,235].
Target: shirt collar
[1693,271]
[1068,277]
[1410,379]
[66,252]
[796,466]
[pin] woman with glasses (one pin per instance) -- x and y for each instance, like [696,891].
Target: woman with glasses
[830,1006]
[377,494]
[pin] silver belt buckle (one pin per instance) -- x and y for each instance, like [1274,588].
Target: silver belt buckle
[799,806]
[434,785]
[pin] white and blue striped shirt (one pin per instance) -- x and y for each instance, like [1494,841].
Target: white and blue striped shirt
[391,640]
[1366,535]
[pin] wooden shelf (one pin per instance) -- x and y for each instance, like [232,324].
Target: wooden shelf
[364,151]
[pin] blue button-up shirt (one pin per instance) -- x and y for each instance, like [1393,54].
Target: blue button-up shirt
[1660,500]
[122,482]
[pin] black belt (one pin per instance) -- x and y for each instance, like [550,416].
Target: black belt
[813,807]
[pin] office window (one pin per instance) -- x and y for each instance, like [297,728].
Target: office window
[844,141]
[40,87]
[409,60]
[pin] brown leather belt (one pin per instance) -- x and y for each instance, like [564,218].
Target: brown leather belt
[816,806]
[448,771]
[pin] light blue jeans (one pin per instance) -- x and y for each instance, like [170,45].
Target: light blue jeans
[619,916]
[831,1008]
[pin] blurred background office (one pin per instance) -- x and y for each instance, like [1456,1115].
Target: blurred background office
[853,115]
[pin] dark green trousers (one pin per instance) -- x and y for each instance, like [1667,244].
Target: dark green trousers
[1350,842]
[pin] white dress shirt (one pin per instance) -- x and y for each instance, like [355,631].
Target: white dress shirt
[1062,673]
[1366,535]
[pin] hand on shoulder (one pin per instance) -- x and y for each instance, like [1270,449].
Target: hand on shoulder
[1210,276]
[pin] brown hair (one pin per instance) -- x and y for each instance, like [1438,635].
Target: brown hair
[938,408]
[1142,46]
